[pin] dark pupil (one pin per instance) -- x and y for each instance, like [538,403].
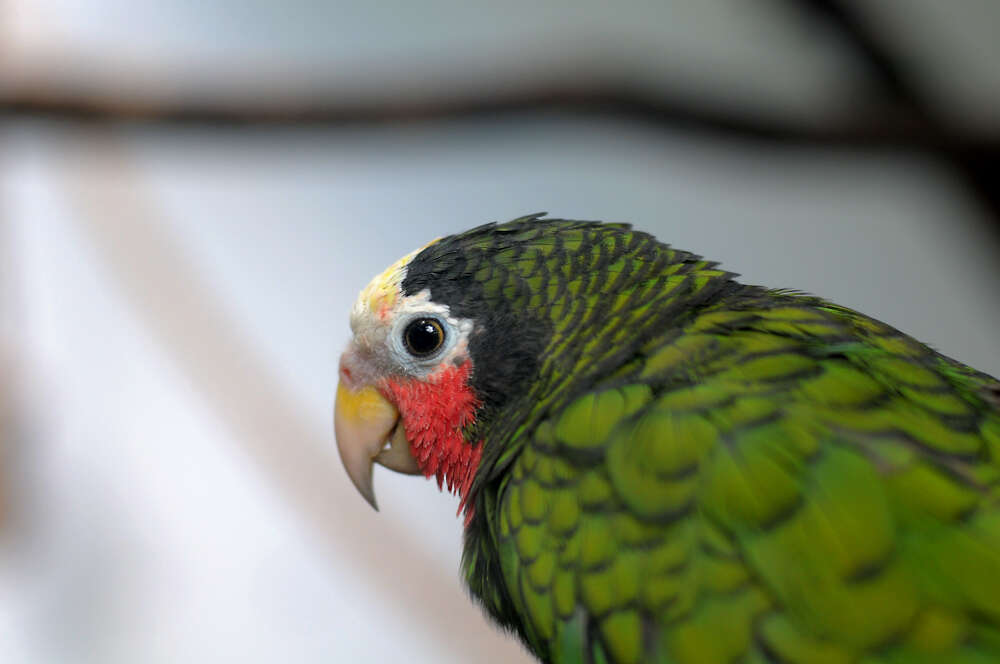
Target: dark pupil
[423,336]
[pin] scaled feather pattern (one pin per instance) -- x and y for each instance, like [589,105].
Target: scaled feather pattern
[674,467]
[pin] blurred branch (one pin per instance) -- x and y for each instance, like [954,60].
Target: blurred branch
[903,123]
[867,130]
[898,118]
[977,164]
[888,71]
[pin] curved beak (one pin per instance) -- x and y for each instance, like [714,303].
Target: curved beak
[365,423]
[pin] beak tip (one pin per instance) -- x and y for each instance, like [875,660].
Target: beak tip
[365,486]
[370,499]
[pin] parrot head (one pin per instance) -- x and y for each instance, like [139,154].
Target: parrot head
[456,345]
[431,358]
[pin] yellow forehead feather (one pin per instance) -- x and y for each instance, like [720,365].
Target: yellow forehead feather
[383,292]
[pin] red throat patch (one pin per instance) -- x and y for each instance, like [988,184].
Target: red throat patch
[434,411]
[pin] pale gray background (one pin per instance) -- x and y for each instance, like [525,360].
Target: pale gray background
[175,298]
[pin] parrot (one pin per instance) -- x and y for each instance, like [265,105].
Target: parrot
[657,463]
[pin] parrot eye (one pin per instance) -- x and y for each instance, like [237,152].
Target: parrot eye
[423,337]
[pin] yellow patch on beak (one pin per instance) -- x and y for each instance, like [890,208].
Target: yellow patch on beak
[363,422]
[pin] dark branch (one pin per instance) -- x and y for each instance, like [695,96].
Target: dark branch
[677,113]
[893,79]
[898,118]
[977,165]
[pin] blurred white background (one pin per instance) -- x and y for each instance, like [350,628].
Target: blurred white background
[175,291]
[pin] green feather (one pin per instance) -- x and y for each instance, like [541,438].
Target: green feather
[705,472]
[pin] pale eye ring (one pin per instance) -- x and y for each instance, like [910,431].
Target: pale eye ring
[423,337]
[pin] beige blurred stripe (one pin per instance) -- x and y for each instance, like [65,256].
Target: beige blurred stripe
[10,370]
[191,325]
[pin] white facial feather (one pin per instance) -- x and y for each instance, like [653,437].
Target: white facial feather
[378,320]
